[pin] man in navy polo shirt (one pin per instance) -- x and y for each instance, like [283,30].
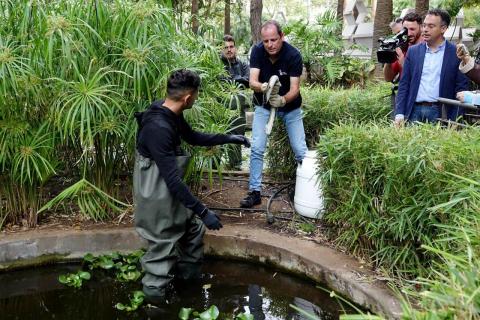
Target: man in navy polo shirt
[274,56]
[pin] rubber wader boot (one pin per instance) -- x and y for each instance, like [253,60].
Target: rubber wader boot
[174,234]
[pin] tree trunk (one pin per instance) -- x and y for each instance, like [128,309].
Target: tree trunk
[381,28]
[256,7]
[421,7]
[226,29]
[340,10]
[340,4]
[175,5]
[195,16]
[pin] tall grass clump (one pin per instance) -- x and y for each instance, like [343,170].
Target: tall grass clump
[453,289]
[384,188]
[324,108]
[72,73]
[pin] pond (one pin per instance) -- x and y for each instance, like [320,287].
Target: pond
[232,286]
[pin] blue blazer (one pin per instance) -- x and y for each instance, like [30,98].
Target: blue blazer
[451,82]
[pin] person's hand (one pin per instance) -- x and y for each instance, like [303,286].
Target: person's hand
[461,96]
[211,219]
[240,139]
[399,121]
[400,56]
[275,89]
[467,62]
[277,101]
[240,80]
[462,52]
[264,87]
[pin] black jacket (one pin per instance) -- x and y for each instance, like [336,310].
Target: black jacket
[159,136]
[238,70]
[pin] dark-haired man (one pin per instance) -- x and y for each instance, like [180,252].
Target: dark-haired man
[413,23]
[274,57]
[239,72]
[167,215]
[236,68]
[430,71]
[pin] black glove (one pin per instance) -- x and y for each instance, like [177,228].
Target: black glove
[210,219]
[239,139]
[241,80]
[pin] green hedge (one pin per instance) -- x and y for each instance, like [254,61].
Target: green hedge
[324,108]
[387,190]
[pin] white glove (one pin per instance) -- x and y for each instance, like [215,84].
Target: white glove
[264,87]
[277,101]
[275,89]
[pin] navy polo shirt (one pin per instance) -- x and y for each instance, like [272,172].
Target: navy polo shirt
[289,64]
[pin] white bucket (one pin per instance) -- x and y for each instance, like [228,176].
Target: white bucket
[308,191]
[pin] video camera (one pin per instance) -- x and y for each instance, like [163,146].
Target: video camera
[386,53]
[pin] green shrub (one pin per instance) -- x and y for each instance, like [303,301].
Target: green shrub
[324,52]
[71,77]
[452,292]
[384,188]
[324,108]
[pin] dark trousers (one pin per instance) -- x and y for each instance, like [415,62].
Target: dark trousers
[234,152]
[422,113]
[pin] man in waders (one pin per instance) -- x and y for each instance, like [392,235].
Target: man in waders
[167,215]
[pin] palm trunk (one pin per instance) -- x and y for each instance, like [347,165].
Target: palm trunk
[421,7]
[226,29]
[340,10]
[195,16]
[256,7]
[381,28]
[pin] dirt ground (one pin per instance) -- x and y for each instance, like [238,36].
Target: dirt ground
[221,196]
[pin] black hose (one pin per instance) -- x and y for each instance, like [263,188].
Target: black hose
[270,217]
[245,209]
[253,210]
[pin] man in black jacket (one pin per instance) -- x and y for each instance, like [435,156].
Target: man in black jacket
[239,72]
[236,68]
[167,215]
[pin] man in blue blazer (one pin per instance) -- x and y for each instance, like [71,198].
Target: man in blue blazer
[430,71]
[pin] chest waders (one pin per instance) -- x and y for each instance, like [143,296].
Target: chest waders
[173,232]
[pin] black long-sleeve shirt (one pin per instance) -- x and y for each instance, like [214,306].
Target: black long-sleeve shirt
[159,138]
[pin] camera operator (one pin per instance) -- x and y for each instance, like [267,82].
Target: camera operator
[413,23]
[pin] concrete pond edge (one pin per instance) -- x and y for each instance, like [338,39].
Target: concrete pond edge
[303,257]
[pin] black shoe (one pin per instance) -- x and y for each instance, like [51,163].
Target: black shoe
[253,198]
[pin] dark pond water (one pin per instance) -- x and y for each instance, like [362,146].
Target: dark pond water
[232,286]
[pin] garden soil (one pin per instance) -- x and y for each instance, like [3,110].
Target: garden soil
[218,194]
